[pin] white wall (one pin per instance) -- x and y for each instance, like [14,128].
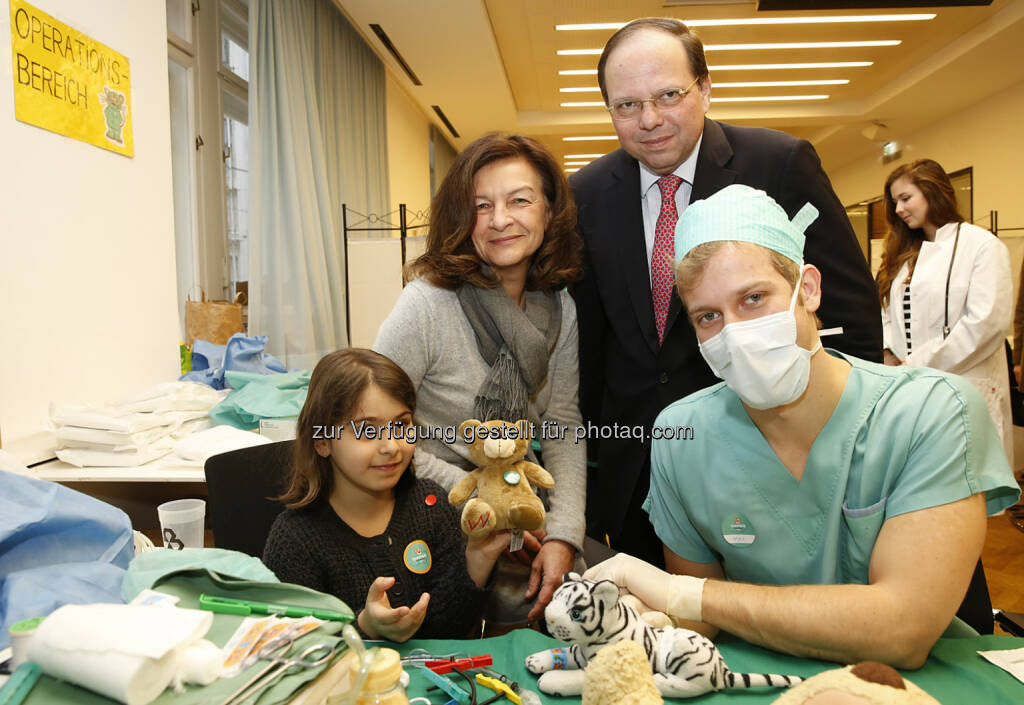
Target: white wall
[375,263]
[987,137]
[408,149]
[87,276]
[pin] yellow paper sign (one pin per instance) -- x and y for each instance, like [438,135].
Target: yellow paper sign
[69,83]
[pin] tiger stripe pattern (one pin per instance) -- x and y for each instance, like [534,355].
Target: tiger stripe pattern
[589,615]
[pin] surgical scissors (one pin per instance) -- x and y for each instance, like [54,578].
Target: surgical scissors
[274,651]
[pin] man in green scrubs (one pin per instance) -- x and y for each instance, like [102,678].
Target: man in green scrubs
[822,505]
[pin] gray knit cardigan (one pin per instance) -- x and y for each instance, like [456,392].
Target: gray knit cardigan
[429,337]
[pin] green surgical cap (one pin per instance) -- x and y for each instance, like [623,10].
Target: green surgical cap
[743,214]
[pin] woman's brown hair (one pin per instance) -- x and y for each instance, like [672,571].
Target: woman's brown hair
[338,381]
[450,258]
[903,243]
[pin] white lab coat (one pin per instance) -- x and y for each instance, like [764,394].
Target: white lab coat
[980,306]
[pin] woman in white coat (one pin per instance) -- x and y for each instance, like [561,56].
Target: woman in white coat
[945,288]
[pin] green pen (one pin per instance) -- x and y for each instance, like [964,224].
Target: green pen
[227,605]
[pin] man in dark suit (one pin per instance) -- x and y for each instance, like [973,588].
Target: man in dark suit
[637,354]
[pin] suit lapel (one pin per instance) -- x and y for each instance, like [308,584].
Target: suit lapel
[710,177]
[626,229]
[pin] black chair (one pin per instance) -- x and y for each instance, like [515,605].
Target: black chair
[240,484]
[1016,395]
[976,609]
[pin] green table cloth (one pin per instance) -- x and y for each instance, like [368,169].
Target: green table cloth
[954,673]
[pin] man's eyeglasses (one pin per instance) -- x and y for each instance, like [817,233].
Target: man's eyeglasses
[632,107]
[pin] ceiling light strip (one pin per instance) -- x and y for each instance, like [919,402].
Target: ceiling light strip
[765,98]
[763,46]
[802,45]
[583,138]
[780,84]
[584,156]
[714,99]
[740,21]
[737,84]
[773,67]
[753,67]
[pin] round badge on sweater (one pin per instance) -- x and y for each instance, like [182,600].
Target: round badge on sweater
[737,530]
[417,556]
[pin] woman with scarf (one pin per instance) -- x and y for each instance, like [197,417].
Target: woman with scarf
[486,330]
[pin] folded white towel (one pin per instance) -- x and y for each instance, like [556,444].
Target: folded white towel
[110,418]
[173,396]
[199,446]
[129,653]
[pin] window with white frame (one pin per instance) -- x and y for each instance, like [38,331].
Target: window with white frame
[208,72]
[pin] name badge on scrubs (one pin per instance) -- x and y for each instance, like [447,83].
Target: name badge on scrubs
[417,556]
[737,530]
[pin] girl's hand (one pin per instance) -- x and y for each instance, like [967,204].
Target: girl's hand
[890,359]
[379,621]
[555,559]
[531,547]
[481,555]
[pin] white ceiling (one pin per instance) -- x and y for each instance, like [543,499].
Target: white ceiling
[493,65]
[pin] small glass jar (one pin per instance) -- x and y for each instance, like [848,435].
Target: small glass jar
[383,685]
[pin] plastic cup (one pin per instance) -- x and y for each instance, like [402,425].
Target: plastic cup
[182,522]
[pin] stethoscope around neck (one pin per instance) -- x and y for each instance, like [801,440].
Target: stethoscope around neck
[949,272]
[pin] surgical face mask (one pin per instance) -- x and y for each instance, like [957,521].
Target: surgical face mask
[760,360]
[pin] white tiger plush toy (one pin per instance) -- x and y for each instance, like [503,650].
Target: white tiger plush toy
[590,615]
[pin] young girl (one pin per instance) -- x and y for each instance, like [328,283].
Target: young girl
[360,525]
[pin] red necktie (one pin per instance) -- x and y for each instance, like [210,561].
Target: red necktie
[663,256]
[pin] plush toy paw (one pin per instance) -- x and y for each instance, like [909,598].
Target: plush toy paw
[561,682]
[527,516]
[478,519]
[540,662]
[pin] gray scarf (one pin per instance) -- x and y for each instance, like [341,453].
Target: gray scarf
[515,342]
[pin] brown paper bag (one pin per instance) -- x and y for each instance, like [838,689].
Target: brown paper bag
[214,321]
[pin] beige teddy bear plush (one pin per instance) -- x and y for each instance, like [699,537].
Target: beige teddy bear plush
[502,480]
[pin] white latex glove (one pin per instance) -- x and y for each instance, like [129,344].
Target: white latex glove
[678,596]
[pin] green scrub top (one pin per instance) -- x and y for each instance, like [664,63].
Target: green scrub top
[901,439]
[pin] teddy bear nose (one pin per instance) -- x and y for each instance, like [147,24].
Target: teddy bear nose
[499,447]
